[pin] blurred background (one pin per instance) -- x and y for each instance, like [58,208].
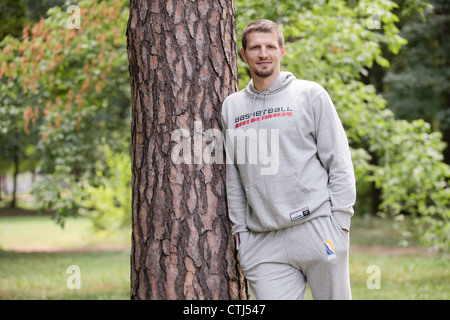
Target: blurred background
[65,176]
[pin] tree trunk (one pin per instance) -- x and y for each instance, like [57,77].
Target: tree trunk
[183,64]
[15,175]
[446,139]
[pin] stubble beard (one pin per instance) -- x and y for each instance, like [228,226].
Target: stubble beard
[264,73]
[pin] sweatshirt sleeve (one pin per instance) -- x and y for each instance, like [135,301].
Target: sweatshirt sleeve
[236,197]
[334,153]
[237,201]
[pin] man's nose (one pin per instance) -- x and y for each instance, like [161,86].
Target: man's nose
[263,52]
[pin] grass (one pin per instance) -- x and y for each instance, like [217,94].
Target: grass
[35,254]
[41,233]
[403,276]
[43,276]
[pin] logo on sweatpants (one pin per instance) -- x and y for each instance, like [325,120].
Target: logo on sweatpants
[331,254]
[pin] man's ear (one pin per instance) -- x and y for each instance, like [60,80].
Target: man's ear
[283,52]
[243,55]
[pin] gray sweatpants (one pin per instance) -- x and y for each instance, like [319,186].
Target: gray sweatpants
[278,264]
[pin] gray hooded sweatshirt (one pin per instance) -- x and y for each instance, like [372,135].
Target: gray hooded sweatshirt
[288,158]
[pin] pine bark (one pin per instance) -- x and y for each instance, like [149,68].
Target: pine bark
[183,64]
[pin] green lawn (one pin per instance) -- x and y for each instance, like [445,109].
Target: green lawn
[35,254]
[103,275]
[41,233]
[403,277]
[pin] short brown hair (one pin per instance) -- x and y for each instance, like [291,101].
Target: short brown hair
[265,26]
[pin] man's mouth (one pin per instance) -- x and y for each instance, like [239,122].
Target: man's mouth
[264,63]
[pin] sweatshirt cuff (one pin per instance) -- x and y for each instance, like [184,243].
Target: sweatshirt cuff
[343,219]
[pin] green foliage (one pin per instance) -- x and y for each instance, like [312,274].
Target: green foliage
[329,42]
[109,203]
[418,83]
[69,89]
[13,18]
[37,9]
[413,181]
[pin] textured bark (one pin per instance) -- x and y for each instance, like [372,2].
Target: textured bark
[182,57]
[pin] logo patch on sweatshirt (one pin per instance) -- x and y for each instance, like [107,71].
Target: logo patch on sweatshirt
[299,214]
[331,254]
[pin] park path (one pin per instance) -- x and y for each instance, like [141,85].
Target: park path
[53,249]
[377,250]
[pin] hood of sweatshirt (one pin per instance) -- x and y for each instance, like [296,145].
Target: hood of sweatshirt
[278,85]
[283,80]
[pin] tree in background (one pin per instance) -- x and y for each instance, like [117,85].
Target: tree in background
[13,17]
[69,88]
[35,10]
[417,85]
[12,151]
[18,152]
[182,57]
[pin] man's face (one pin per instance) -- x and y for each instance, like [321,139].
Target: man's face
[263,53]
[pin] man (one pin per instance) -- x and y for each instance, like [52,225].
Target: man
[291,223]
